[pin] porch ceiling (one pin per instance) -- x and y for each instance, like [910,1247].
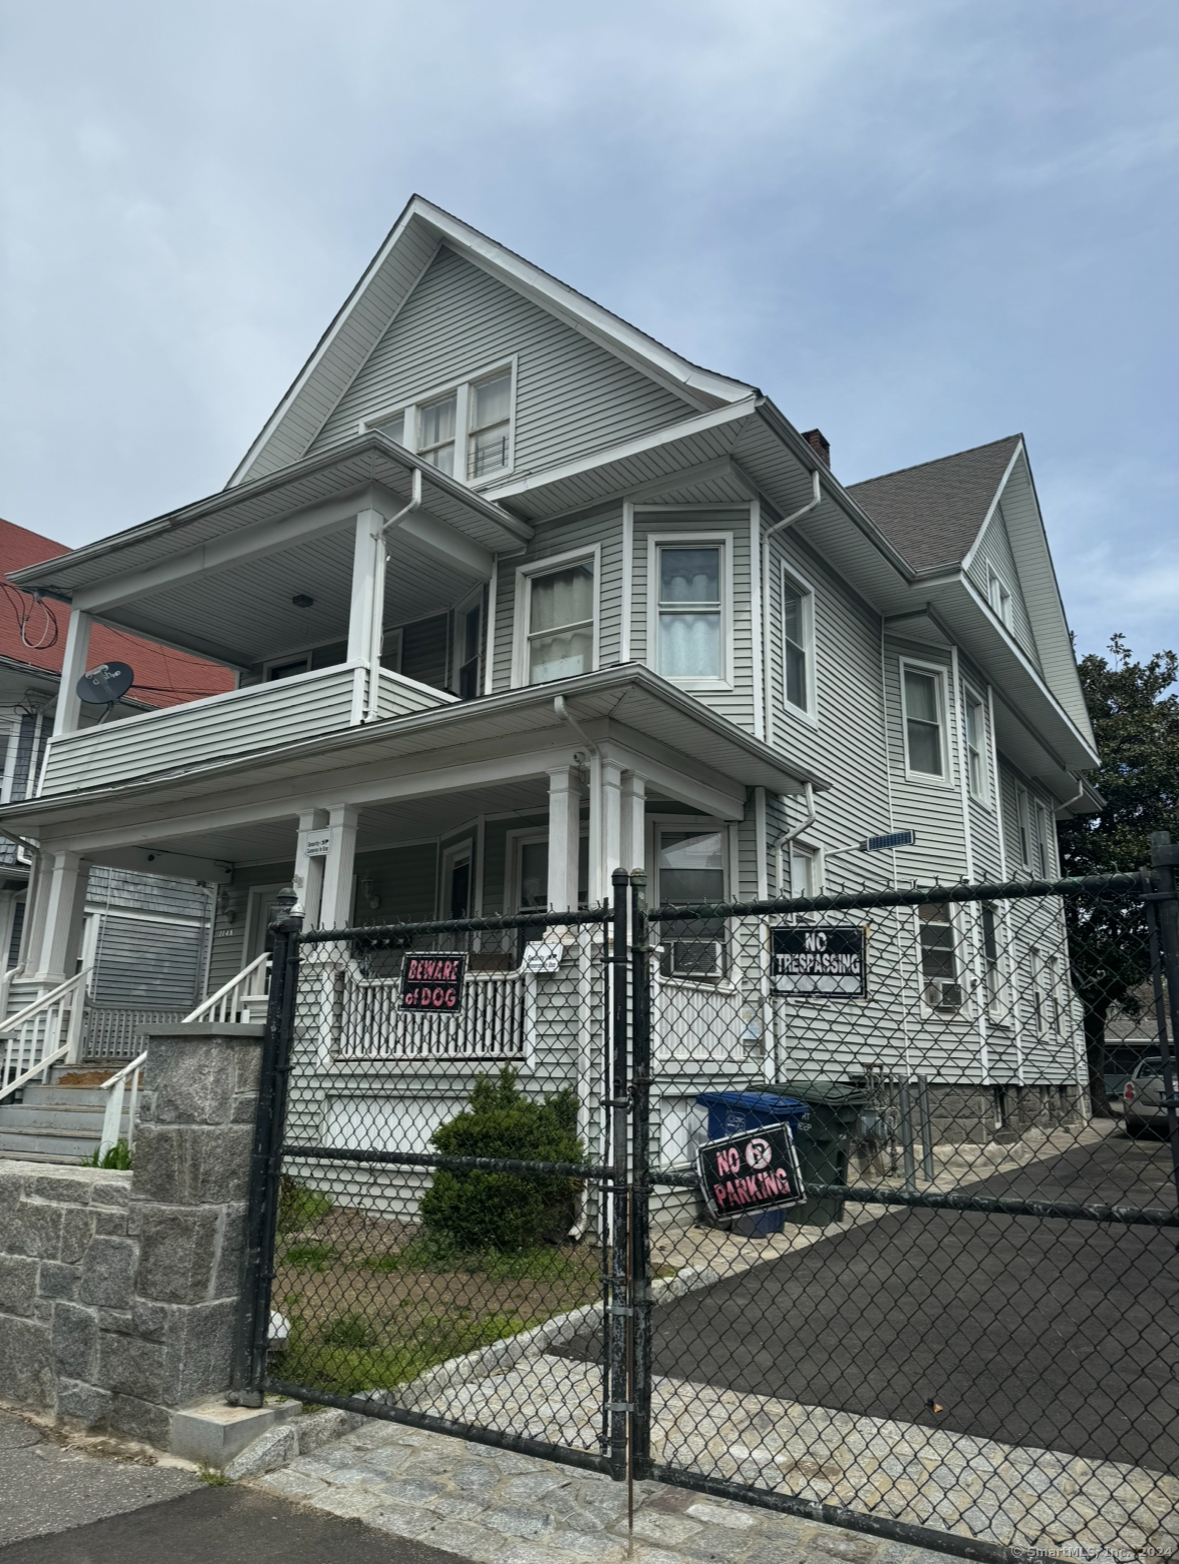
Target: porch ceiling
[243,614]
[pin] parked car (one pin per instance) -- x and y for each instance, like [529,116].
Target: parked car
[1145,1097]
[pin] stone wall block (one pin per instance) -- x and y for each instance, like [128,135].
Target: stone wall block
[81,1403]
[247,1071]
[110,1221]
[139,1419]
[192,1165]
[108,1273]
[150,1320]
[130,1367]
[228,1275]
[121,1321]
[77,1229]
[18,1284]
[75,1341]
[190,1082]
[38,1230]
[56,1280]
[61,1188]
[200,1350]
[26,1363]
[178,1252]
[108,1192]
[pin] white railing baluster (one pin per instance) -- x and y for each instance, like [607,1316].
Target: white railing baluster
[240,998]
[112,1119]
[33,1035]
[490,1026]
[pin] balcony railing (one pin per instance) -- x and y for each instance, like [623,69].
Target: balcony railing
[222,727]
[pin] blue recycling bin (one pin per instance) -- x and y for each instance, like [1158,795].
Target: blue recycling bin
[732,1113]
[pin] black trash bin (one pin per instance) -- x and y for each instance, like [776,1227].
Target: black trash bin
[824,1143]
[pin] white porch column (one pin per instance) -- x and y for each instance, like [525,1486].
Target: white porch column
[77,650]
[606,829]
[335,908]
[366,614]
[564,831]
[63,896]
[634,821]
[310,856]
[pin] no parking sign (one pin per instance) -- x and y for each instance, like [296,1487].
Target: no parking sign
[755,1171]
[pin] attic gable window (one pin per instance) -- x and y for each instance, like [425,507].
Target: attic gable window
[466,431]
[999,595]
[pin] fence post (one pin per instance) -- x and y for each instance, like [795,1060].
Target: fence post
[619,1101]
[1164,856]
[640,1298]
[249,1367]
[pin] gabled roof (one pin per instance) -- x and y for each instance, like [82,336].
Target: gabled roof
[932,513]
[163,676]
[388,281]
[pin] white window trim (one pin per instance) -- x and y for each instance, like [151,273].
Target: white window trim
[460,389]
[656,824]
[1023,827]
[971,696]
[800,583]
[706,538]
[818,866]
[924,777]
[543,567]
[452,856]
[997,589]
[960,954]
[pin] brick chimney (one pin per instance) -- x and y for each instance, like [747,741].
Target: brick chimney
[819,443]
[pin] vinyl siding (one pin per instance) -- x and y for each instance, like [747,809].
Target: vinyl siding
[556,538]
[145,964]
[994,553]
[571,395]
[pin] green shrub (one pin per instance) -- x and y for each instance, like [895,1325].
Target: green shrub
[351,1331]
[505,1211]
[299,1207]
[119,1156]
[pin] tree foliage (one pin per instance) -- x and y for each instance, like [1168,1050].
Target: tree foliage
[1135,714]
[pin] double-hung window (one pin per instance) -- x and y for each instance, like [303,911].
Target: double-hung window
[464,430]
[939,956]
[976,760]
[559,610]
[1040,829]
[798,635]
[1023,825]
[999,595]
[690,624]
[992,972]
[690,869]
[922,698]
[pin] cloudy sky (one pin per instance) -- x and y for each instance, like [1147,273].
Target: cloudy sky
[919,224]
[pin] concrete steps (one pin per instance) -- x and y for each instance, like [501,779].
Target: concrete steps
[60,1121]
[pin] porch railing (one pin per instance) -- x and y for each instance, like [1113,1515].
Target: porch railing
[491,1025]
[45,1032]
[242,999]
[112,1118]
[109,1034]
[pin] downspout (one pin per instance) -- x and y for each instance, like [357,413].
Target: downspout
[790,835]
[779,526]
[378,599]
[584,1053]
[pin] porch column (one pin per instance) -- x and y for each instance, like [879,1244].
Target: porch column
[335,908]
[606,829]
[564,831]
[310,854]
[366,614]
[63,895]
[77,650]
[634,822]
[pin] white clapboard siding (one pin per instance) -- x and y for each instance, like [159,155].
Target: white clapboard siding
[572,396]
[994,553]
[241,722]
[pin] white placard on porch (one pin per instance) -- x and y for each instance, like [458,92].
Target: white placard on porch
[318,843]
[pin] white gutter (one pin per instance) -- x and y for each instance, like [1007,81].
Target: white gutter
[805,824]
[377,620]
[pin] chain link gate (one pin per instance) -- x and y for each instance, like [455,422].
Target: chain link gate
[964,1337]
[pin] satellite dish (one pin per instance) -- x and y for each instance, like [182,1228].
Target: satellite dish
[106,684]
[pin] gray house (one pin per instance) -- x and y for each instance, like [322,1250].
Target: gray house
[514,594]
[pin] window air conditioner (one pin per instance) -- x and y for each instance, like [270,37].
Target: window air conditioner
[696,958]
[940,995]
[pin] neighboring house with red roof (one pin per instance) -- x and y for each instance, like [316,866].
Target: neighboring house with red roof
[128,914]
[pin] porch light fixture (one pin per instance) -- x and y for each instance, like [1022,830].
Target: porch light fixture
[301,600]
[370,892]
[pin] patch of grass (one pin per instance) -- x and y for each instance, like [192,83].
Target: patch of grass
[119,1156]
[299,1207]
[214,1478]
[310,1256]
[535,1263]
[392,1355]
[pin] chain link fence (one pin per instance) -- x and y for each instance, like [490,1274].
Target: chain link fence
[512,1183]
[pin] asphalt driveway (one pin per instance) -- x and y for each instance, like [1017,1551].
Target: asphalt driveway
[1056,1334]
